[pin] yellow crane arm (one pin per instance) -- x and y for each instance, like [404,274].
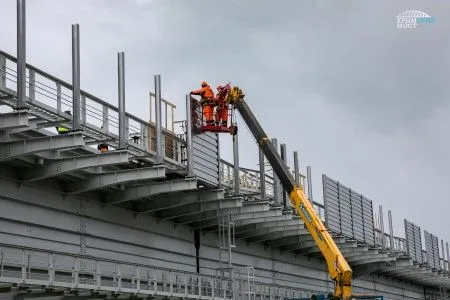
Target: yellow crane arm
[338,267]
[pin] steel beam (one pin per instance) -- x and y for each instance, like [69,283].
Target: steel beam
[158,120]
[76,92]
[100,181]
[277,235]
[276,181]
[13,120]
[262,175]
[199,207]
[201,220]
[189,149]
[146,191]
[121,91]
[21,55]
[383,240]
[15,149]
[178,199]
[369,260]
[270,224]
[309,178]
[67,165]
[296,169]
[391,232]
[284,159]
[238,219]
[263,219]
[259,233]
[236,179]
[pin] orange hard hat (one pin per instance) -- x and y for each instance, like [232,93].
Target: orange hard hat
[204,83]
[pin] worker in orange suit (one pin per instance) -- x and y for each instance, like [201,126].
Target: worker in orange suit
[222,105]
[207,101]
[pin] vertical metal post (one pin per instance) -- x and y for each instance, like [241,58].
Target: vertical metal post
[443,255]
[189,154]
[296,169]
[121,73]
[236,164]
[262,175]
[391,231]
[158,119]
[448,257]
[309,179]
[284,159]
[383,242]
[276,181]
[76,105]
[21,55]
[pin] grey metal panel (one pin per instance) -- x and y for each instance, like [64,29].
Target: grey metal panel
[347,212]
[414,241]
[432,250]
[206,157]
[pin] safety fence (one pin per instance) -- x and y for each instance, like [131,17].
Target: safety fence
[250,184]
[50,99]
[36,267]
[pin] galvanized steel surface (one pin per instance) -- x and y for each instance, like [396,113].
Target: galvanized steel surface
[414,241]
[432,250]
[347,212]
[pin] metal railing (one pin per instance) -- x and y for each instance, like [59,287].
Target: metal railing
[49,97]
[28,266]
[250,183]
[399,243]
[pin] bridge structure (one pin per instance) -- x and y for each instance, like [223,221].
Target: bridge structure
[161,215]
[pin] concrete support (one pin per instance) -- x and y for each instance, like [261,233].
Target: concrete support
[99,181]
[391,232]
[76,92]
[189,149]
[236,180]
[15,149]
[13,120]
[276,181]
[309,178]
[122,115]
[284,159]
[383,240]
[296,169]
[149,190]
[67,165]
[262,175]
[21,55]
[158,120]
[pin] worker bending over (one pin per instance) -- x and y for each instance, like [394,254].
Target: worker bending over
[222,105]
[207,101]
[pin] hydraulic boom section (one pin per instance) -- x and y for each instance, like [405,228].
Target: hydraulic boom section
[338,267]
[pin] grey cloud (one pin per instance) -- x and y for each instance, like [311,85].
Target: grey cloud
[360,100]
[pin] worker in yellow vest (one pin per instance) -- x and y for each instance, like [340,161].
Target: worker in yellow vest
[63,128]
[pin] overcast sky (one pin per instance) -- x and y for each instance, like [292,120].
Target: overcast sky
[362,101]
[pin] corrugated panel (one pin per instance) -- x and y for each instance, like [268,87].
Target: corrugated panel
[413,236]
[369,225]
[206,157]
[331,202]
[348,212]
[432,248]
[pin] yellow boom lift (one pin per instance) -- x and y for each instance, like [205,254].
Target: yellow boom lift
[338,267]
